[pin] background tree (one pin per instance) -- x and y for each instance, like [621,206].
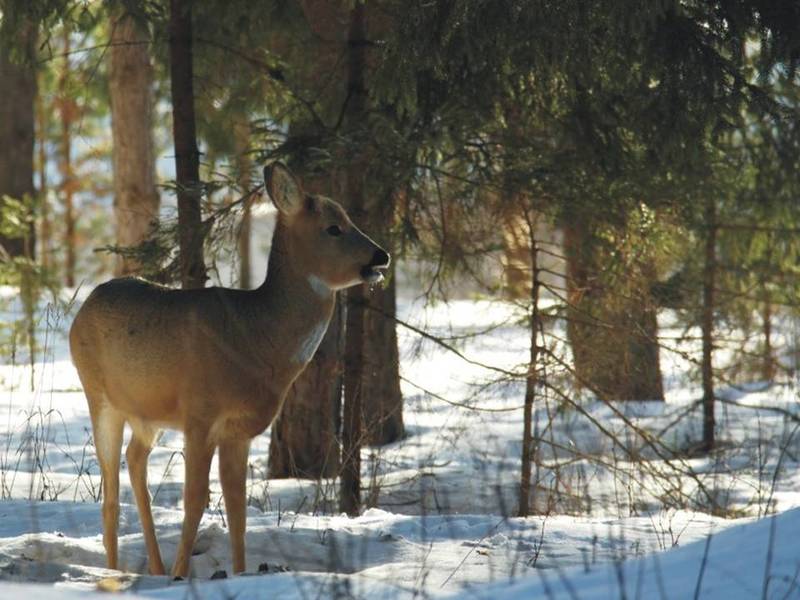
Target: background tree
[17,127]
[620,129]
[191,232]
[320,144]
[43,124]
[136,199]
[611,316]
[68,113]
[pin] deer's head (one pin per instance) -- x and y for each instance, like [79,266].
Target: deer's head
[322,240]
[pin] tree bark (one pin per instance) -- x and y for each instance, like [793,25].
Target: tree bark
[67,109]
[707,324]
[17,136]
[382,401]
[44,204]
[612,326]
[531,379]
[136,198]
[17,128]
[380,387]
[306,435]
[516,255]
[352,422]
[187,156]
[382,398]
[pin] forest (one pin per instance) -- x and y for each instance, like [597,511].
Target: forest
[581,367]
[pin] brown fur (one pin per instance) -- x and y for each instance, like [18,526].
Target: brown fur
[215,363]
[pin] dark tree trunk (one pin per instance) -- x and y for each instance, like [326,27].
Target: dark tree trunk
[352,422]
[187,156]
[643,351]
[44,204]
[579,289]
[314,403]
[352,418]
[528,448]
[305,440]
[707,324]
[136,198]
[382,400]
[67,108]
[306,435]
[17,136]
[612,326]
[17,129]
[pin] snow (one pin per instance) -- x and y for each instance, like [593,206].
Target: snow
[758,560]
[396,553]
[622,499]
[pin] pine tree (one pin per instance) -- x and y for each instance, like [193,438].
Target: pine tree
[136,198]
[191,233]
[17,127]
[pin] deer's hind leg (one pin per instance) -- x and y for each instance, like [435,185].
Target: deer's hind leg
[107,425]
[137,453]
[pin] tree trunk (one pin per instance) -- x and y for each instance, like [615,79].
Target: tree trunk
[187,156]
[17,131]
[305,440]
[136,197]
[382,400]
[67,108]
[516,255]
[306,435]
[531,379]
[579,288]
[241,140]
[612,326]
[707,324]
[352,422]
[44,203]
[317,394]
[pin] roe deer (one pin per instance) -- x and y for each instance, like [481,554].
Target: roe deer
[215,363]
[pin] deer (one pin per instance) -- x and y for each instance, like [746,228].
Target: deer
[215,363]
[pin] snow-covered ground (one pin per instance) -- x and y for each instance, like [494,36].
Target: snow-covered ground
[622,499]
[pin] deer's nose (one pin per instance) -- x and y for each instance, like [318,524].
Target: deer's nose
[380,258]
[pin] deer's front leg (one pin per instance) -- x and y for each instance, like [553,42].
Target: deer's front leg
[233,476]
[199,453]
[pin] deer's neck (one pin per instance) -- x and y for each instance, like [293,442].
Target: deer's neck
[294,309]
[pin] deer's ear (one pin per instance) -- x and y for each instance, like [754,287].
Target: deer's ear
[283,188]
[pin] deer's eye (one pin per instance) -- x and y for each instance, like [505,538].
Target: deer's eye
[334,230]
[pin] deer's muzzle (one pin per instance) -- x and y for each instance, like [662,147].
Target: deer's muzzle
[372,273]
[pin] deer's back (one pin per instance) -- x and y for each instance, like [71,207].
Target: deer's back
[142,345]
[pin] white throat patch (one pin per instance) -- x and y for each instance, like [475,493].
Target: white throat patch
[310,344]
[320,288]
